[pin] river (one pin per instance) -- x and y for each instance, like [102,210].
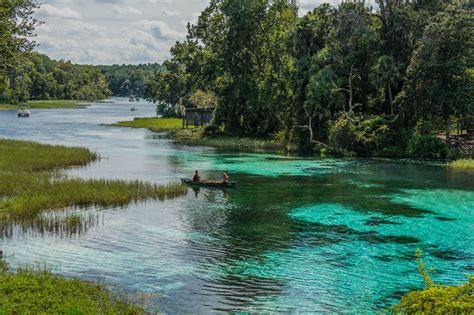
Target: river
[299,234]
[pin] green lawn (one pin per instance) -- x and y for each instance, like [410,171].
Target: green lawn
[49,104]
[153,123]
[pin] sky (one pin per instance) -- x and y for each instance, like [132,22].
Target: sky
[119,31]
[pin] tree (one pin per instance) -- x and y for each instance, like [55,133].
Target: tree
[438,74]
[386,74]
[16,29]
[203,99]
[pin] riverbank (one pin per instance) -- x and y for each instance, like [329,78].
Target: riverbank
[52,104]
[195,136]
[31,182]
[40,292]
[152,123]
[186,137]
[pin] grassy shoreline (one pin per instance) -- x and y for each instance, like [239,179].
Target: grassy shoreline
[154,124]
[28,291]
[51,104]
[462,165]
[195,136]
[31,185]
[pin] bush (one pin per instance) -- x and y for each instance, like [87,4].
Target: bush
[373,136]
[439,300]
[342,135]
[427,147]
[212,131]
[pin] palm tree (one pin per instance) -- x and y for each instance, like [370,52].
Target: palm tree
[386,74]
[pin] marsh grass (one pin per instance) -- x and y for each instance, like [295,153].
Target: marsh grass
[463,165]
[68,223]
[29,291]
[155,124]
[31,183]
[51,104]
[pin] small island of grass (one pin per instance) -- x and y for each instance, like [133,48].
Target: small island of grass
[28,185]
[50,104]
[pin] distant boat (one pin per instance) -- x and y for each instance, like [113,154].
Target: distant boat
[131,98]
[133,109]
[24,110]
[137,99]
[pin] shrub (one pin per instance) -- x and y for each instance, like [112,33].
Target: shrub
[437,299]
[342,135]
[212,131]
[373,136]
[427,147]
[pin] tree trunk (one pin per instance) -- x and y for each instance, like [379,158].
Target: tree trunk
[390,98]
[447,126]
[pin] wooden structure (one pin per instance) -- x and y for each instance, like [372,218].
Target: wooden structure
[197,117]
[464,141]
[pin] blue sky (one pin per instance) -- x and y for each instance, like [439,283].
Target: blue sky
[118,31]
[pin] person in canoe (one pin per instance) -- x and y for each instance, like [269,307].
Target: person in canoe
[225,179]
[197,177]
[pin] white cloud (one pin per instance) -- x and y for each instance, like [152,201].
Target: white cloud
[48,10]
[168,12]
[119,31]
[160,30]
[126,10]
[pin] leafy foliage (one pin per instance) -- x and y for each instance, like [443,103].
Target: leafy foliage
[437,299]
[335,72]
[44,79]
[126,80]
[427,147]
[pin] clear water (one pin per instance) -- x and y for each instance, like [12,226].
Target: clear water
[298,235]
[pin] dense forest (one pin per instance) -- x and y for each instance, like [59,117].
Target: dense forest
[124,80]
[41,78]
[350,78]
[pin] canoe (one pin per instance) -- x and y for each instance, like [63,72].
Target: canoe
[192,183]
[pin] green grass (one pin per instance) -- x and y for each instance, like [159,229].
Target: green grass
[40,292]
[29,185]
[463,165]
[48,104]
[153,123]
[194,136]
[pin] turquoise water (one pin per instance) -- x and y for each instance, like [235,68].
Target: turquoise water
[298,235]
